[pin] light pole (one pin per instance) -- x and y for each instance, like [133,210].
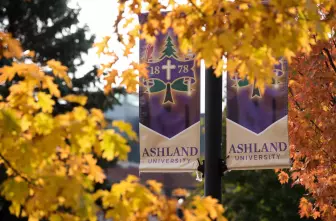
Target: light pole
[213,168]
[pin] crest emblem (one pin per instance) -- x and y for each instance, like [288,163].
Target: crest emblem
[277,80]
[169,73]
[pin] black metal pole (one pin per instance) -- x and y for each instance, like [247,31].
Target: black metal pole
[213,134]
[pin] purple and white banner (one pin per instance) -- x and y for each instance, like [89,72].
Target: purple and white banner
[169,107]
[257,131]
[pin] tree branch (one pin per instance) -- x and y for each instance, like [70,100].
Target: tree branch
[197,8]
[302,109]
[15,170]
[330,59]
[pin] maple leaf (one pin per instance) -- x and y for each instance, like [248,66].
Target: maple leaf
[305,207]
[15,191]
[76,99]
[29,53]
[125,127]
[108,146]
[97,115]
[154,186]
[48,82]
[113,145]
[43,123]
[283,177]
[26,122]
[202,208]
[7,73]
[180,192]
[80,113]
[45,102]
[95,172]
[102,45]
[58,69]
[9,46]
[316,214]
[111,77]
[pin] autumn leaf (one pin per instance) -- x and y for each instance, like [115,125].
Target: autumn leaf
[7,73]
[80,113]
[9,47]
[202,208]
[101,46]
[180,192]
[94,171]
[48,83]
[45,102]
[107,146]
[26,122]
[29,53]
[43,123]
[76,99]
[125,127]
[154,186]
[283,177]
[58,69]
[113,145]
[305,207]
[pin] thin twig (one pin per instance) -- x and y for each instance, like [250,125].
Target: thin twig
[302,109]
[330,59]
[197,8]
[15,170]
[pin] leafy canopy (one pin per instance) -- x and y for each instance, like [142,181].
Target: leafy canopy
[312,126]
[51,160]
[251,34]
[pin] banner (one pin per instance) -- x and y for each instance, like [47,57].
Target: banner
[169,107]
[256,124]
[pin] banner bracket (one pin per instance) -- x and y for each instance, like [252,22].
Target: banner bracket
[222,167]
[200,167]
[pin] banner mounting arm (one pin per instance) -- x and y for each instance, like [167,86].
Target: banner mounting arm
[222,167]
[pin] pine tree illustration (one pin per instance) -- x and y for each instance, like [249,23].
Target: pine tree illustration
[169,51]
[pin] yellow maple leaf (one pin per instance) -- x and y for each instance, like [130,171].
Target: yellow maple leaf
[126,128]
[76,99]
[95,172]
[154,186]
[102,45]
[97,115]
[48,83]
[180,192]
[111,76]
[113,145]
[9,46]
[7,73]
[29,53]
[58,69]
[243,6]
[43,123]
[107,146]
[16,191]
[55,217]
[205,207]
[45,101]
[9,120]
[80,113]
[26,122]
